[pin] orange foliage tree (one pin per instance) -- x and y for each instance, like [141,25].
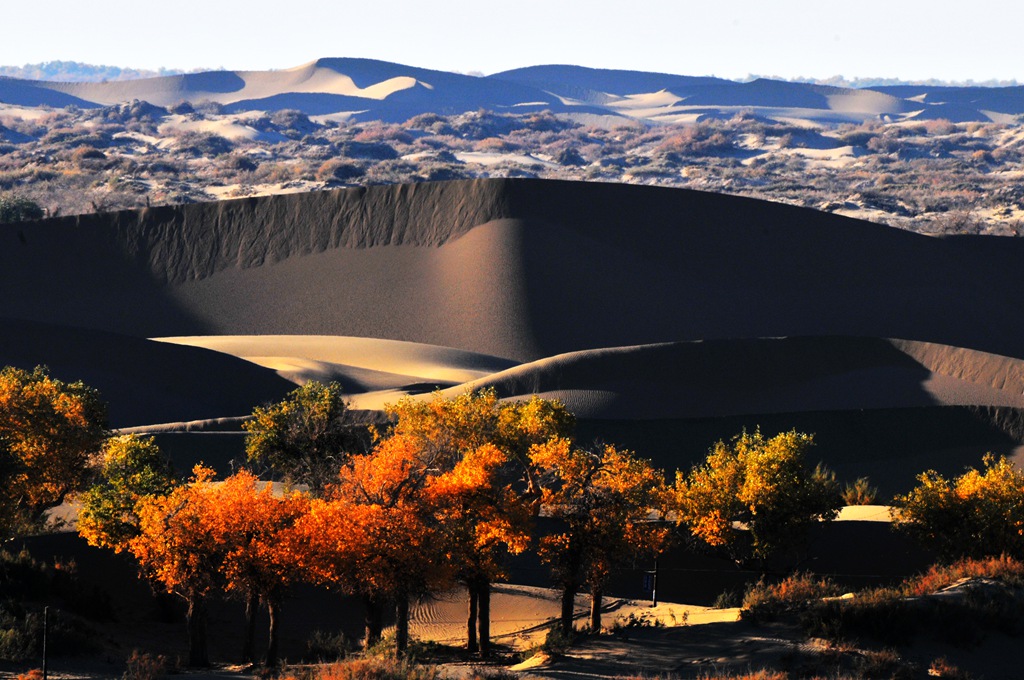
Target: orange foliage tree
[603,504]
[175,548]
[484,487]
[254,531]
[49,433]
[372,536]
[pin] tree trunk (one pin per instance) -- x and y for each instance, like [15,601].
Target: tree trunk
[595,609]
[402,624]
[471,645]
[198,653]
[484,603]
[252,608]
[274,610]
[568,608]
[373,620]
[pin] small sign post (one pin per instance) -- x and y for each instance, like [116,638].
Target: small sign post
[46,634]
[651,583]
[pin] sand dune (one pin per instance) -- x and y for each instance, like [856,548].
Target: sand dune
[522,269]
[365,364]
[143,382]
[717,378]
[375,90]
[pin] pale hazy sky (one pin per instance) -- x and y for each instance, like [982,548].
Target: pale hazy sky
[977,39]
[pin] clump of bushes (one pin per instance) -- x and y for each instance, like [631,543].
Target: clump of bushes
[15,208]
[860,492]
[992,599]
[767,600]
[369,668]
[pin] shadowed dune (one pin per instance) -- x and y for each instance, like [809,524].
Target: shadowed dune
[142,381]
[522,269]
[783,375]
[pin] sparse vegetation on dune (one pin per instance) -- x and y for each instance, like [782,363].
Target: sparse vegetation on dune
[932,176]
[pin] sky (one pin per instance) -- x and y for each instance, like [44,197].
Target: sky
[978,40]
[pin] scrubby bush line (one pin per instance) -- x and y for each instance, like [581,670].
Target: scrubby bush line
[931,177]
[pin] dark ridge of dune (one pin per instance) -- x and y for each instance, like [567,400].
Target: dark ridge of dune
[517,268]
[143,382]
[717,378]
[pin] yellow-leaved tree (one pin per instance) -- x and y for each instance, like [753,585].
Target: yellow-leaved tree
[49,432]
[130,468]
[306,437]
[606,504]
[754,496]
[372,535]
[977,514]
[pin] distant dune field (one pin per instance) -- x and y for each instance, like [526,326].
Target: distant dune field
[368,89]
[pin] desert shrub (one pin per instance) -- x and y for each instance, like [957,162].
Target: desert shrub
[376,668]
[85,153]
[765,600]
[762,674]
[429,122]
[240,163]
[860,492]
[939,126]
[897,614]
[292,120]
[728,599]
[21,633]
[570,157]
[441,173]
[699,140]
[370,150]
[942,668]
[338,171]
[494,145]
[15,208]
[381,133]
[634,620]
[1002,568]
[204,144]
[884,663]
[144,666]
[978,514]
[328,646]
